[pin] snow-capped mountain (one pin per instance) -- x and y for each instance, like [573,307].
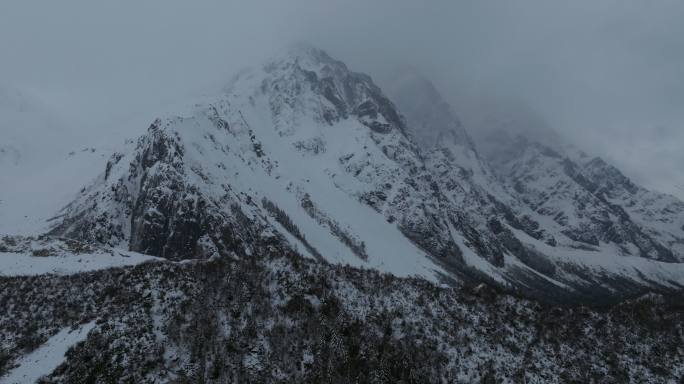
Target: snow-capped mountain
[303,135]
[495,205]
[659,215]
[306,152]
[590,201]
[302,227]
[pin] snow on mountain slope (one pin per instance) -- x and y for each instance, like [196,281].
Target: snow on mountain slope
[586,199]
[48,356]
[278,318]
[318,142]
[444,142]
[524,238]
[21,256]
[470,186]
[660,215]
[305,152]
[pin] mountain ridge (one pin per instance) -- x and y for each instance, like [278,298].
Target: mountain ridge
[307,137]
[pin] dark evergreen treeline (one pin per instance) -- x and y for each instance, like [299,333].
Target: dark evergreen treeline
[278,317]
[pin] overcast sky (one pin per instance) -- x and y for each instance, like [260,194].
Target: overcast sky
[607,74]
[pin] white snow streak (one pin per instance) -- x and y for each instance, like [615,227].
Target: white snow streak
[47,357]
[21,264]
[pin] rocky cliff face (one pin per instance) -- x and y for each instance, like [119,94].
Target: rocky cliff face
[155,202]
[481,207]
[589,201]
[530,197]
[658,215]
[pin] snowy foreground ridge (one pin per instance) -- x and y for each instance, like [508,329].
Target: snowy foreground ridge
[279,318]
[28,257]
[307,227]
[18,264]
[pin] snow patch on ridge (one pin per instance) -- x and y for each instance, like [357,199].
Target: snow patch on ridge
[24,264]
[48,356]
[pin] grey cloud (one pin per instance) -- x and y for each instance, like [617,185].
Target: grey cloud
[608,74]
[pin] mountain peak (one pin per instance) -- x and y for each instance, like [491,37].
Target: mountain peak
[306,81]
[307,50]
[302,55]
